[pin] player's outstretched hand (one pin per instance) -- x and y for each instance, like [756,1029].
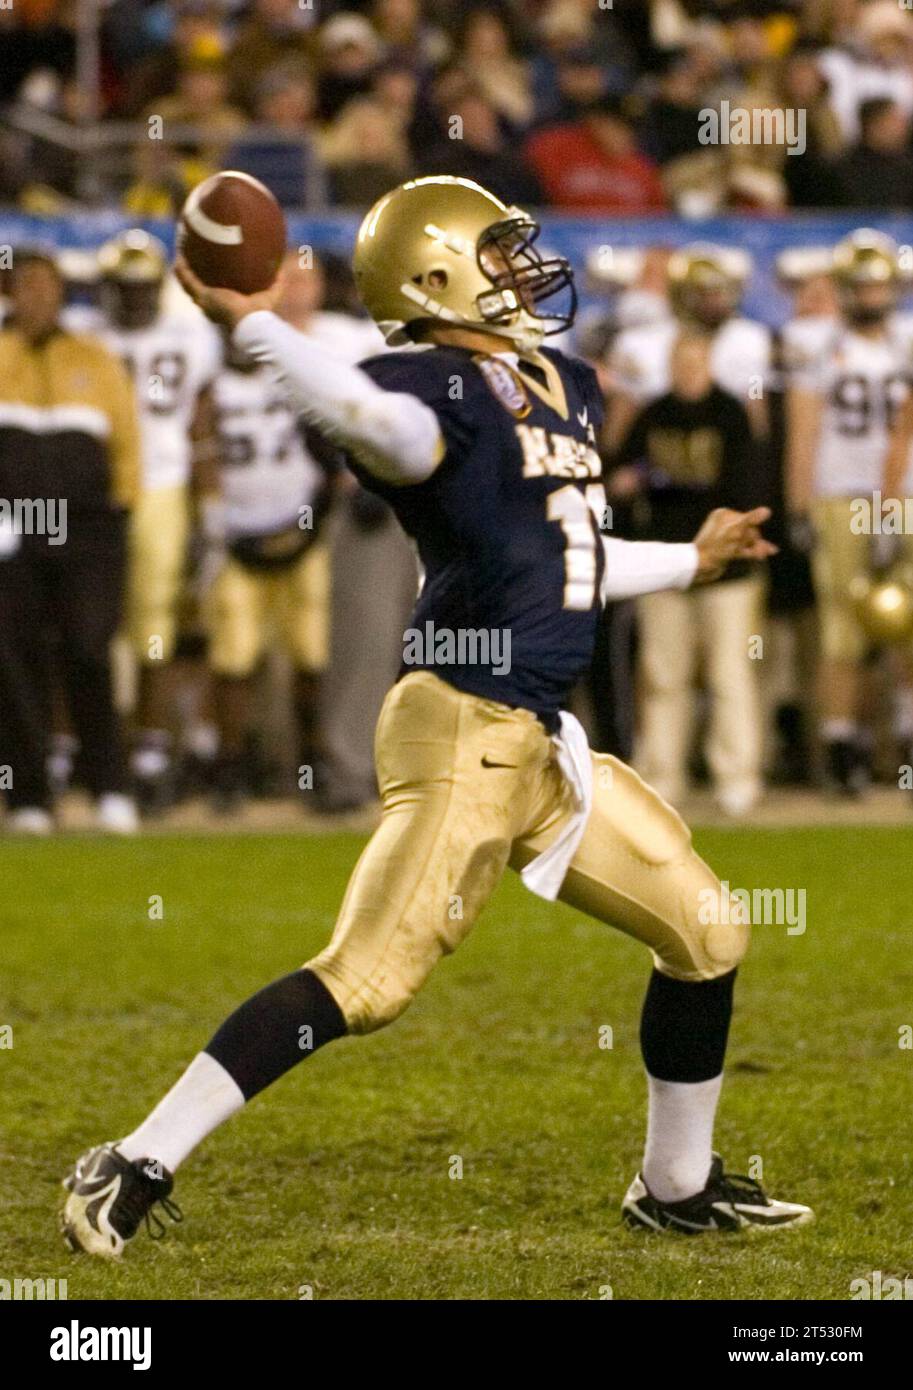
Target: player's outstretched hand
[223,306]
[726,536]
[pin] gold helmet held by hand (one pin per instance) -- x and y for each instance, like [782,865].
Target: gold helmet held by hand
[443,250]
[884,604]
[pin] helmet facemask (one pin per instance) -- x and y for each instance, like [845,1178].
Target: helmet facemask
[523,279]
[867,277]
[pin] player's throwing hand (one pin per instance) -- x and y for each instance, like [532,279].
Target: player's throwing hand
[221,305]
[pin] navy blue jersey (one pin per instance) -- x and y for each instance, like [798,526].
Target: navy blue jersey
[507,527]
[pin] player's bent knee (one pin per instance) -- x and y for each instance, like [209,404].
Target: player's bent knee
[368,1005]
[712,938]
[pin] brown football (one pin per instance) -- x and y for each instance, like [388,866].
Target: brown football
[232,233]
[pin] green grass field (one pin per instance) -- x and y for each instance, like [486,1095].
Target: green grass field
[338,1178]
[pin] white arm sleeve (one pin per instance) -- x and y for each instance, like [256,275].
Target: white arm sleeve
[644,567]
[394,435]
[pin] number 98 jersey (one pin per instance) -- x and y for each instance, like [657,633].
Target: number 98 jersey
[862,381]
[508,525]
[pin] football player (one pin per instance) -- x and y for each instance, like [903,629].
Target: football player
[704,284]
[840,412]
[483,442]
[264,498]
[171,358]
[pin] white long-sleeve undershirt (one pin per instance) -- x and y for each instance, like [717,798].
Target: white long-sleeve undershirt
[396,436]
[398,439]
[645,567]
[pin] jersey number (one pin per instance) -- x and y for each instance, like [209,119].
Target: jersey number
[862,404]
[164,384]
[574,513]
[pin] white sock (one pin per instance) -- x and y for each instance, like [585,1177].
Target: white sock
[679,1136]
[903,713]
[839,730]
[201,1100]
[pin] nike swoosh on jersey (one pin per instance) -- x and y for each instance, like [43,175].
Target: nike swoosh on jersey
[487,763]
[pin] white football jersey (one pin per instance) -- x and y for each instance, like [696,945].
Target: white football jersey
[170,363]
[265,471]
[803,340]
[740,358]
[862,381]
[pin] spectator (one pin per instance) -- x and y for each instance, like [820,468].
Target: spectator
[878,172]
[276,31]
[578,62]
[406,35]
[876,65]
[367,152]
[285,99]
[197,33]
[809,176]
[200,99]
[487,50]
[69,431]
[48,44]
[593,164]
[161,179]
[672,116]
[349,54]
[397,89]
[477,149]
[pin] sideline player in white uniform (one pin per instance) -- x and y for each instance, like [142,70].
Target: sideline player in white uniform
[840,412]
[704,285]
[172,359]
[264,499]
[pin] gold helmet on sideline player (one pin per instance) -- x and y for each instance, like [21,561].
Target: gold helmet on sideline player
[132,268]
[705,284]
[444,250]
[866,273]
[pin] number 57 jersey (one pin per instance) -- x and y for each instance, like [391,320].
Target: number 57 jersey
[508,525]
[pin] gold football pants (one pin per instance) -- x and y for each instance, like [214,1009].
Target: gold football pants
[470,786]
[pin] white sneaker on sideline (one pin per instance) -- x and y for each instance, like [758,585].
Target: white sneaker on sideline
[738,799]
[30,820]
[116,814]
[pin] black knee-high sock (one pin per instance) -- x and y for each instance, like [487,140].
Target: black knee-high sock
[274,1029]
[684,1027]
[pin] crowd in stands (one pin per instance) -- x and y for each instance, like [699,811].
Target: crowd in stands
[583,105]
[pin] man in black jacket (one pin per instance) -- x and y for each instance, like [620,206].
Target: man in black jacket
[692,449]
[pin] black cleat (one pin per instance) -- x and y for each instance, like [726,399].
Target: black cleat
[109,1197]
[846,769]
[727,1203]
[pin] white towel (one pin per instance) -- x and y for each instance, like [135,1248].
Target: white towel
[544,875]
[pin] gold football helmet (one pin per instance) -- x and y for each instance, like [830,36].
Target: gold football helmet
[884,604]
[132,267]
[866,272]
[444,250]
[704,284]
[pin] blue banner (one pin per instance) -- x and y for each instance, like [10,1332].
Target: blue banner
[577,238]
